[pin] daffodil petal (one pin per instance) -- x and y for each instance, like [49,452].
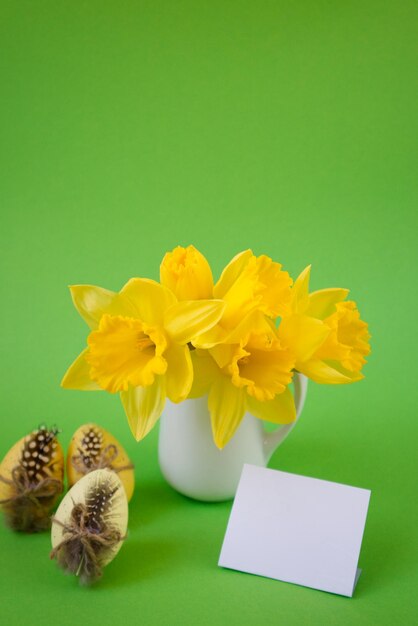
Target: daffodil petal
[91,302]
[254,322]
[179,375]
[205,372]
[149,299]
[223,353]
[77,376]
[190,318]
[231,273]
[302,335]
[226,405]
[322,302]
[280,410]
[321,372]
[354,376]
[300,291]
[211,337]
[143,406]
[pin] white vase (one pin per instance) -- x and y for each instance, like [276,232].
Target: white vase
[193,465]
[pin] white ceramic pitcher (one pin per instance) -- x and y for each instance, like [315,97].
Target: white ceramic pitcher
[193,465]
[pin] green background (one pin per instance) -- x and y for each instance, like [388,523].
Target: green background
[288,127]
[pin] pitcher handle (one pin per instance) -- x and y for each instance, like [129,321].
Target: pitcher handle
[274,439]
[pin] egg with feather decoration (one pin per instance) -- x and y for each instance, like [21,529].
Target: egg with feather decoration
[31,480]
[90,525]
[91,448]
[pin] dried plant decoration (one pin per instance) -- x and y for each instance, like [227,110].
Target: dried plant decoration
[91,448]
[31,479]
[90,525]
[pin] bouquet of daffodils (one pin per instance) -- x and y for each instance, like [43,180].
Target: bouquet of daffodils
[239,341]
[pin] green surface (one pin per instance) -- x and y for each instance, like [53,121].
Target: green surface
[131,127]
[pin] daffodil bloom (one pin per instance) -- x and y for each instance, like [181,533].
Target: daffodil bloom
[187,273]
[138,346]
[248,284]
[249,373]
[325,333]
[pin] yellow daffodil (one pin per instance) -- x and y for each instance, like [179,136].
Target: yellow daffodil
[251,283]
[325,333]
[187,273]
[251,372]
[248,283]
[138,346]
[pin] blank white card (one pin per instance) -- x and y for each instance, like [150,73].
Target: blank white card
[296,529]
